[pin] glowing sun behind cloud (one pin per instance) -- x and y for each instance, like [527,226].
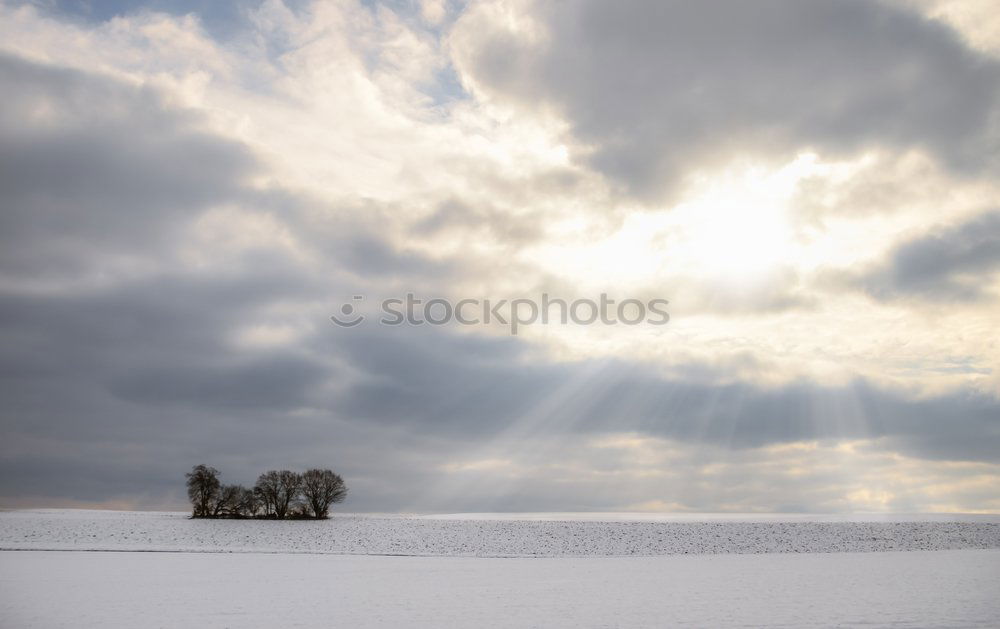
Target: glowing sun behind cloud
[735,225]
[729,226]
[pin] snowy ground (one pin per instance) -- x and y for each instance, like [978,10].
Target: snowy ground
[543,535]
[290,585]
[111,589]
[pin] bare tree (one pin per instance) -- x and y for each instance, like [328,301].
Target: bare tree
[228,502]
[264,504]
[268,486]
[289,486]
[203,490]
[322,488]
[278,494]
[249,503]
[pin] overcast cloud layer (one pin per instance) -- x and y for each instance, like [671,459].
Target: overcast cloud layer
[187,195]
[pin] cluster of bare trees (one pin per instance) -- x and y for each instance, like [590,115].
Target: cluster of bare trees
[277,494]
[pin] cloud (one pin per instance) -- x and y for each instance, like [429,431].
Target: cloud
[653,90]
[123,390]
[957,263]
[93,168]
[622,471]
[415,380]
[179,221]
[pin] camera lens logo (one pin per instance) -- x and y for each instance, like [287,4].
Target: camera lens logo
[349,316]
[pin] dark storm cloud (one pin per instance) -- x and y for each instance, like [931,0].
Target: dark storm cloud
[439,382]
[375,257]
[277,382]
[107,393]
[122,409]
[111,386]
[956,263]
[156,342]
[93,169]
[463,384]
[654,88]
[90,167]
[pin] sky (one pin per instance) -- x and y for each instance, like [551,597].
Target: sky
[190,190]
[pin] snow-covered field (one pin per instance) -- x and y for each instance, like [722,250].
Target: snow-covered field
[912,589]
[486,535]
[492,571]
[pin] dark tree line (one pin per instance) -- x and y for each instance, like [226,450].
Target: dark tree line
[277,495]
